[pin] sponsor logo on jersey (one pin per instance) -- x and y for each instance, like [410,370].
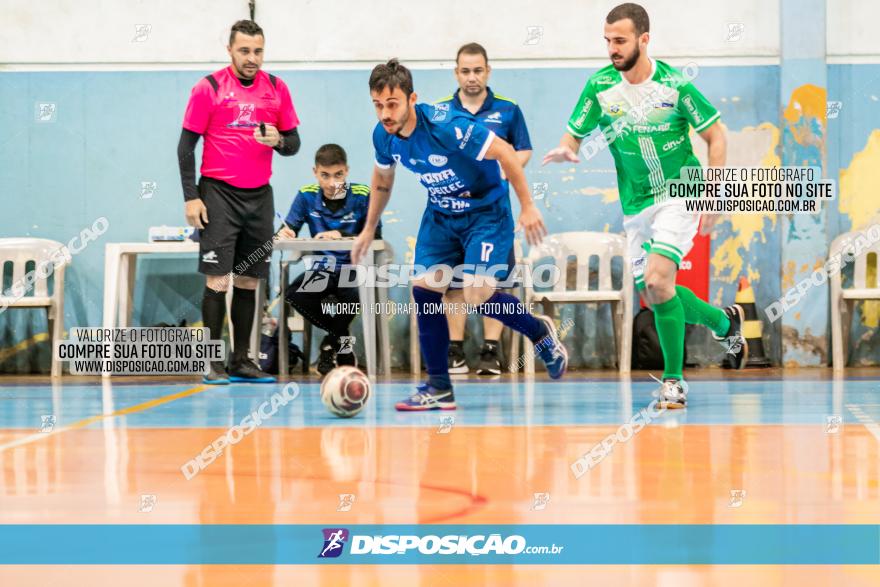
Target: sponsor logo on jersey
[437,177]
[449,203]
[494,117]
[649,128]
[616,109]
[315,213]
[416,161]
[467,136]
[458,133]
[437,160]
[605,80]
[673,144]
[692,109]
[585,111]
[244,117]
[665,105]
[441,112]
[348,218]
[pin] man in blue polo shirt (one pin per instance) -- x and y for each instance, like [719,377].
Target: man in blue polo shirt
[332,208]
[503,117]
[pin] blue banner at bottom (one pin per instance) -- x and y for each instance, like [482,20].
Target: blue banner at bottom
[441,544]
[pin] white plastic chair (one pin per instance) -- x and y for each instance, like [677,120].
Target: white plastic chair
[43,253]
[843,300]
[583,246]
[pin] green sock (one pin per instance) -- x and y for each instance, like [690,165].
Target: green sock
[669,318]
[696,311]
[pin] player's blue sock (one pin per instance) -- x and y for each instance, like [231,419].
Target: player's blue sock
[508,310]
[433,336]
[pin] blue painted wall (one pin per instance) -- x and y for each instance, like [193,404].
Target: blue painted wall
[116,129]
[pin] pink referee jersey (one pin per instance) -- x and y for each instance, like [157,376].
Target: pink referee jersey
[227,118]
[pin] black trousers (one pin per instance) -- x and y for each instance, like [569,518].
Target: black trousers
[323,288]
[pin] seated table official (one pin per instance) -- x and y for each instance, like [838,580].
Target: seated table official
[332,208]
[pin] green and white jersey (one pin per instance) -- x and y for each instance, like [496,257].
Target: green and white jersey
[645,126]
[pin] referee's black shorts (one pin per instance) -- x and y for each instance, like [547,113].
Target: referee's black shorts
[238,236]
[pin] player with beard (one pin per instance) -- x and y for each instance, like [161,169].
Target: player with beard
[467,223]
[644,108]
[245,115]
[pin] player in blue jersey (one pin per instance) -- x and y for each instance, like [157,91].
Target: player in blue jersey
[467,224]
[332,208]
[502,116]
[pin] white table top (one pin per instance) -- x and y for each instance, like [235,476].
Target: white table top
[295,244]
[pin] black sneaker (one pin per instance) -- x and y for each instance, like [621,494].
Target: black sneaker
[736,343]
[457,363]
[489,364]
[216,374]
[327,358]
[246,371]
[346,359]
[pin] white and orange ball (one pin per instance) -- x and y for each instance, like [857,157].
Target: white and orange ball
[345,391]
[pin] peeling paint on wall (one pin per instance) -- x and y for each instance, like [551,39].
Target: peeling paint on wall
[805,239]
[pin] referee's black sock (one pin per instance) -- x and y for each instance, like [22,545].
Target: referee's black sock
[214,312]
[242,316]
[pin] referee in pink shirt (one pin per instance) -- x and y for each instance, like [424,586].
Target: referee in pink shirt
[244,114]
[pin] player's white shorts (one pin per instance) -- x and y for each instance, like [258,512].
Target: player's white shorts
[666,229]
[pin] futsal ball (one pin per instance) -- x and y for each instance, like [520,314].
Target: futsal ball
[345,391]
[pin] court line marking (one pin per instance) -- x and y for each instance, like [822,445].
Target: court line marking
[147,405]
[866,420]
[11,351]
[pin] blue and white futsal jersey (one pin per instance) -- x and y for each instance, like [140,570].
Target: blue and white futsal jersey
[348,217]
[446,150]
[467,223]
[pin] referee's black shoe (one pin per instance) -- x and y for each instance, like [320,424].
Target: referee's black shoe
[246,371]
[216,374]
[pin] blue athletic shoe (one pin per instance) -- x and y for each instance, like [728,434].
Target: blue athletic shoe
[551,350]
[247,372]
[216,374]
[427,398]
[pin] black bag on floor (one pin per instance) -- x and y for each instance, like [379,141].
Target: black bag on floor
[647,354]
[269,353]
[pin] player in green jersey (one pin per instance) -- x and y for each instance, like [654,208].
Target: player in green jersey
[644,109]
